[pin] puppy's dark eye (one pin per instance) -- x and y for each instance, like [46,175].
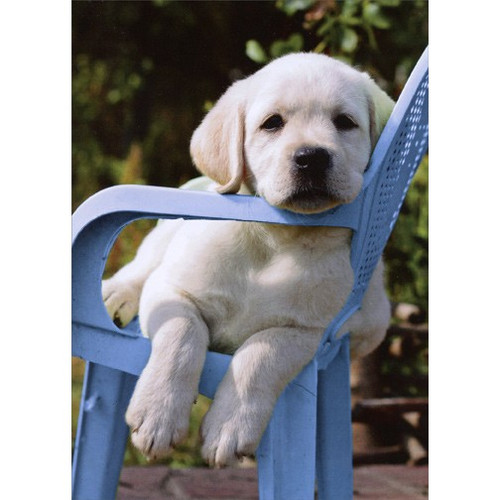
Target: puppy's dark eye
[344,122]
[274,122]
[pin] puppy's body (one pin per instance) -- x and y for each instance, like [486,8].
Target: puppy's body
[263,292]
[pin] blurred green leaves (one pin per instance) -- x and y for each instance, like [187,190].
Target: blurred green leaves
[406,254]
[102,96]
[255,51]
[349,41]
[372,15]
[349,30]
[290,7]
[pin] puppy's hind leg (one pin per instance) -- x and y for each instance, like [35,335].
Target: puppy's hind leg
[122,291]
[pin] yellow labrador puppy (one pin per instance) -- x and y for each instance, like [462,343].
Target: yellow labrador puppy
[298,133]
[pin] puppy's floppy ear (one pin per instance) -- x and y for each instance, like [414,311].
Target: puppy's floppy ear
[217,144]
[380,105]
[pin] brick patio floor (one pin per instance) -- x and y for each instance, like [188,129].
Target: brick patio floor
[375,482]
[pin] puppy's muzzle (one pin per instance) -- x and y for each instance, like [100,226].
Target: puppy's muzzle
[312,162]
[311,168]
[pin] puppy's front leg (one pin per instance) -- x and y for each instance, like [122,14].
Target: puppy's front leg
[158,413]
[245,399]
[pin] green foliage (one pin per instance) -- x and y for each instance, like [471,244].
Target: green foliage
[290,7]
[101,98]
[386,37]
[256,52]
[406,254]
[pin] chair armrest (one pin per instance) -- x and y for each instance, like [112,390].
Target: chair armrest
[160,202]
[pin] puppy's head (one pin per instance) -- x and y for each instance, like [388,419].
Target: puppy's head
[299,133]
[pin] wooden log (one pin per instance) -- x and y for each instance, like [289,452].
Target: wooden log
[372,410]
[381,455]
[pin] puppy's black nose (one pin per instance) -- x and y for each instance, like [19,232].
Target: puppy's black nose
[314,159]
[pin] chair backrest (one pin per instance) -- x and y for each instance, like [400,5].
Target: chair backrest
[392,166]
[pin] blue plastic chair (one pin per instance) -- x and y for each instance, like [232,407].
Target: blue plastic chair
[308,442]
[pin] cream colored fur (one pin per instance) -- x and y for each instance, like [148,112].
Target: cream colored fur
[262,292]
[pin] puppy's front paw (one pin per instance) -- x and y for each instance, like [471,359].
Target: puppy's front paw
[230,434]
[121,300]
[158,420]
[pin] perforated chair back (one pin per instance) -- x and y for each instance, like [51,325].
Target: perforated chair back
[393,164]
[308,440]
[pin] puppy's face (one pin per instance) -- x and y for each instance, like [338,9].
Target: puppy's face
[307,139]
[299,133]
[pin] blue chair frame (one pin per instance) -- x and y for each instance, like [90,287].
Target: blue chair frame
[308,442]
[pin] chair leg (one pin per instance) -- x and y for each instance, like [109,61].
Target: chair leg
[102,432]
[334,438]
[286,466]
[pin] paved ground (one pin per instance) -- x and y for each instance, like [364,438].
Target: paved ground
[376,482]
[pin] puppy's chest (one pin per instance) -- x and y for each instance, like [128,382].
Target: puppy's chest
[293,277]
[292,289]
